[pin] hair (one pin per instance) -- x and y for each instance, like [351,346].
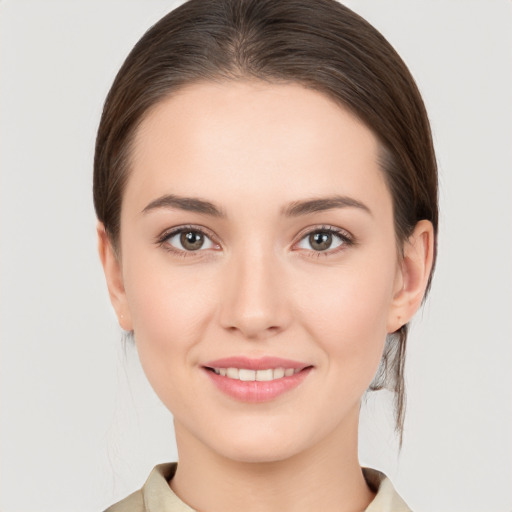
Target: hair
[319,44]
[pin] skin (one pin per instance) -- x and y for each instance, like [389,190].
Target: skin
[260,288]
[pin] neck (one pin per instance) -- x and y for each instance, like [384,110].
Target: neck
[325,477]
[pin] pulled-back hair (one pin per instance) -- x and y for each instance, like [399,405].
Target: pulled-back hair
[319,44]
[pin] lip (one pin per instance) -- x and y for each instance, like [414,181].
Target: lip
[257,391]
[260,363]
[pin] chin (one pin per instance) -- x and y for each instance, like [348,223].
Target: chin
[258,455]
[262,445]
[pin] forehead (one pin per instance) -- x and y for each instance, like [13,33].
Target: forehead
[253,139]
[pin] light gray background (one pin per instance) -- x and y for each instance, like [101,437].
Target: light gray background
[80,427]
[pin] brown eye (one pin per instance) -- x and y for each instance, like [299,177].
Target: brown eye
[320,241]
[191,240]
[323,240]
[188,240]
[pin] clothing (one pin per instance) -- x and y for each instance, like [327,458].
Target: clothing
[157,496]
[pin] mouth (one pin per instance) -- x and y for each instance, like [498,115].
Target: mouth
[256,380]
[248,375]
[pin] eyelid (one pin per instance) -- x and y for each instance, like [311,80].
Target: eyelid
[346,237]
[170,232]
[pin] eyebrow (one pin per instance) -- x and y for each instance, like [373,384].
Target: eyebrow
[294,209]
[308,206]
[189,204]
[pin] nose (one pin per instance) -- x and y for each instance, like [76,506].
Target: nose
[253,299]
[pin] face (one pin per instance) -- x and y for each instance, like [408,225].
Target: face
[258,265]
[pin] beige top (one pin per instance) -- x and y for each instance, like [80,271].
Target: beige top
[157,496]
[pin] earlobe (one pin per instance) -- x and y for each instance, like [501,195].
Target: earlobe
[414,274]
[114,277]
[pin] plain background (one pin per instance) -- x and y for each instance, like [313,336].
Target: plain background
[79,426]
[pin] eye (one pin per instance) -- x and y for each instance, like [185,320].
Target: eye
[187,239]
[324,239]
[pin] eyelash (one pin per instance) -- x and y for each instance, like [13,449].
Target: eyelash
[345,237]
[346,240]
[162,239]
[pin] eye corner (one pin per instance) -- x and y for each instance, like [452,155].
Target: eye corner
[345,239]
[209,241]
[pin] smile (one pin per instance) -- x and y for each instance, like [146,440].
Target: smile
[247,375]
[256,380]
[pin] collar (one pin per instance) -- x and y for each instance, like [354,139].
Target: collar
[159,497]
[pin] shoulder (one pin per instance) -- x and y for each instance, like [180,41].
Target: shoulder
[132,503]
[153,494]
[386,498]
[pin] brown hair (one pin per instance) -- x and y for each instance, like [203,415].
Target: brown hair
[320,44]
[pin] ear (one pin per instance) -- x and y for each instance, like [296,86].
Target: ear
[412,276]
[114,277]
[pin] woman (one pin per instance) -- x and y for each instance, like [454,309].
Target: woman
[266,190]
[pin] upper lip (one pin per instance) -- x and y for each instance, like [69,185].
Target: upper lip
[261,363]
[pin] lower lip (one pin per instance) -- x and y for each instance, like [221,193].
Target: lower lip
[257,391]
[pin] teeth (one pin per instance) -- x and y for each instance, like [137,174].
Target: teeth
[278,373]
[264,375]
[232,373]
[247,375]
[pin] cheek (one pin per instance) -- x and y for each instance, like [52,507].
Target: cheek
[348,312]
[161,308]
[170,310]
